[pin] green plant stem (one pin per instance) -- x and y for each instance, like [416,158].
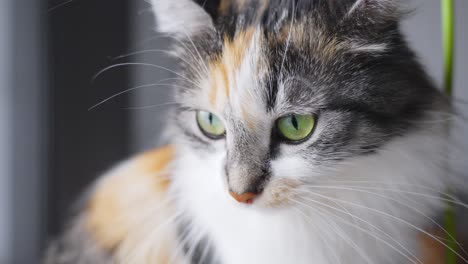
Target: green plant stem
[449,219]
[448,45]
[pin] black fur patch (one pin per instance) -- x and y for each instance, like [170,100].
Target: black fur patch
[200,252]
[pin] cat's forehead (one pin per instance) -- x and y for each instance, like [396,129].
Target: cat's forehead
[252,77]
[269,70]
[264,59]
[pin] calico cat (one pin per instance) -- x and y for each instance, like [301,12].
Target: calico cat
[305,131]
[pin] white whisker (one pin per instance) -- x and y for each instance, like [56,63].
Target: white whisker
[288,40]
[356,188]
[129,90]
[141,64]
[319,232]
[150,106]
[342,235]
[434,197]
[392,217]
[367,231]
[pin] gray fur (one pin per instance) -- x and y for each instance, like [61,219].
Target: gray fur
[76,246]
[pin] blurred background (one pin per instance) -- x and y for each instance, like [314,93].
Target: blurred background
[52,145]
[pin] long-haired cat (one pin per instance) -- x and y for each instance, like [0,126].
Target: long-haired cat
[305,132]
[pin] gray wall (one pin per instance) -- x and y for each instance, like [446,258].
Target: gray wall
[22,138]
[422,29]
[29,126]
[148,117]
[5,135]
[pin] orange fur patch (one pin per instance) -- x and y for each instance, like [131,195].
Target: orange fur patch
[214,88]
[126,194]
[224,6]
[433,252]
[235,50]
[278,192]
[223,68]
[219,83]
[239,5]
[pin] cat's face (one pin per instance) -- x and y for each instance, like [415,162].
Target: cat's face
[277,95]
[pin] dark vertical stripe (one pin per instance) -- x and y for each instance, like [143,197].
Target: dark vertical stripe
[84,35]
[211,7]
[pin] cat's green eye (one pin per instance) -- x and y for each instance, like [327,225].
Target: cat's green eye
[296,127]
[210,125]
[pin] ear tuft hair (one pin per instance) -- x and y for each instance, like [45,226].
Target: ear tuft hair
[377,11]
[181,18]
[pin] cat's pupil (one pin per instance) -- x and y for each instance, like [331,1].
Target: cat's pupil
[294,122]
[210,118]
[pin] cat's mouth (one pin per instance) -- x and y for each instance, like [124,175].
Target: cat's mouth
[277,193]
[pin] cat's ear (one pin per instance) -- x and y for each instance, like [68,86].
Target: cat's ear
[181,18]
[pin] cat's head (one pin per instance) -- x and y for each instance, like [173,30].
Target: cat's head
[277,94]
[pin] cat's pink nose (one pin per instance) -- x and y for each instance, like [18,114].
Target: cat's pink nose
[246,198]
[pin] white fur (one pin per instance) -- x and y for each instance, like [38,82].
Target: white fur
[181,18]
[358,47]
[356,5]
[380,3]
